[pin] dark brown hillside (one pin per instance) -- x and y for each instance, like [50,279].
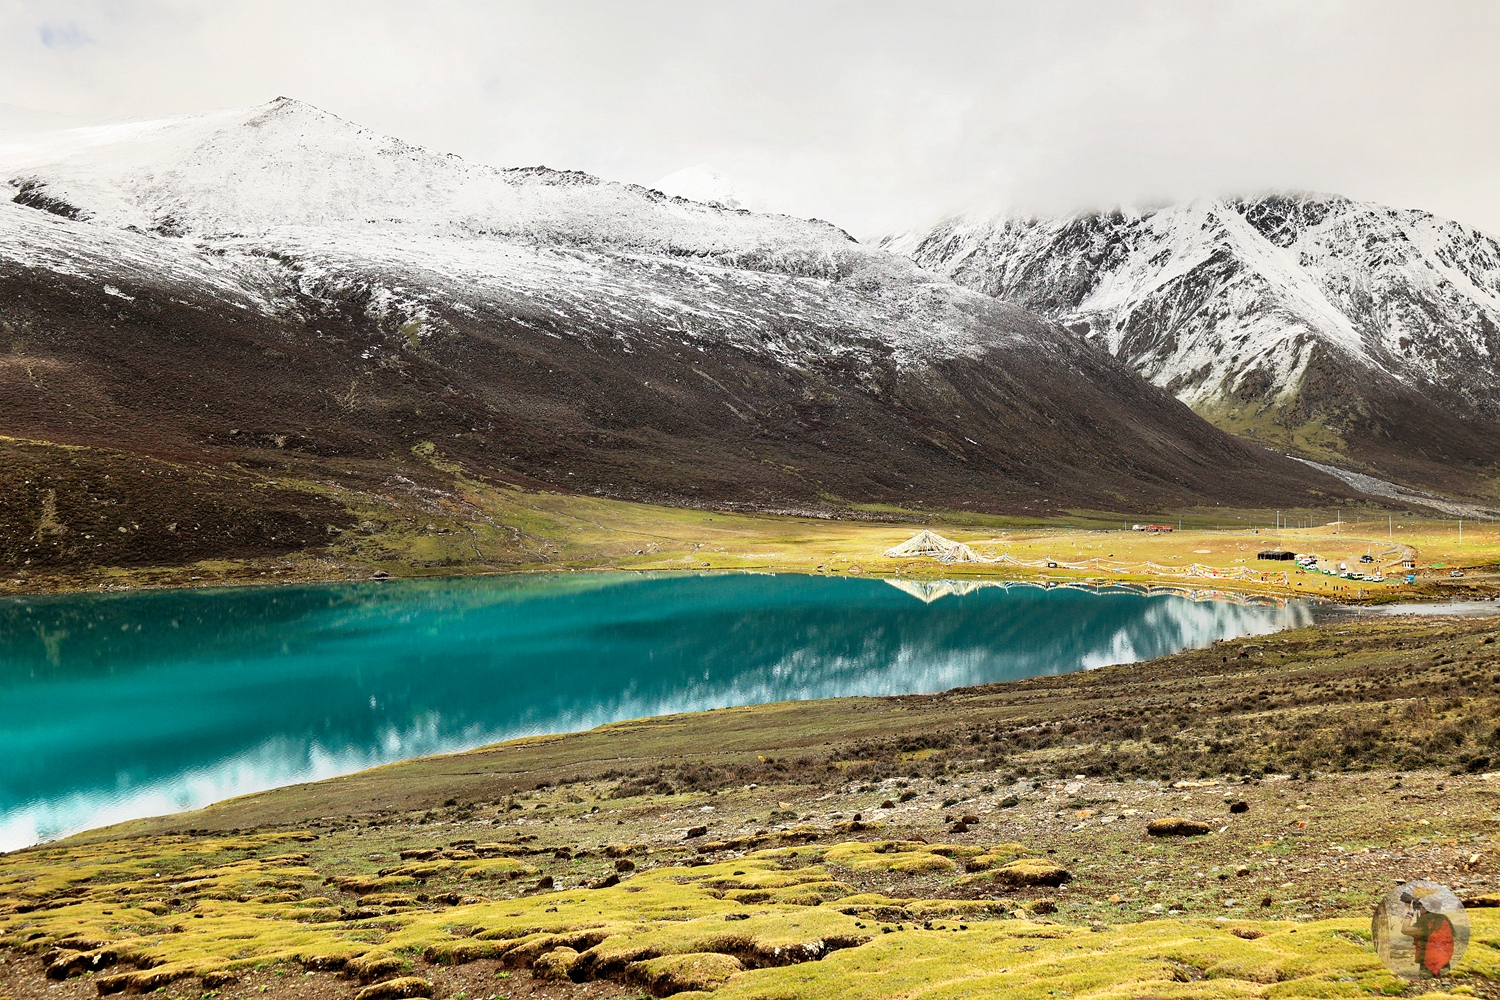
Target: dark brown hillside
[85,506]
[1043,427]
[1426,435]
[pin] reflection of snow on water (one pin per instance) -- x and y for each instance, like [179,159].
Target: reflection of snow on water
[1121,650]
[273,764]
[870,667]
[1194,625]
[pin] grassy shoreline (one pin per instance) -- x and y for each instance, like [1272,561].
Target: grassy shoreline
[420,514]
[477,528]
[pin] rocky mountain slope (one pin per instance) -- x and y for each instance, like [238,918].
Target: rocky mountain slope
[1341,330]
[276,289]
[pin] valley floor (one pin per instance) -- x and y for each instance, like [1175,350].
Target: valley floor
[429,518]
[985,841]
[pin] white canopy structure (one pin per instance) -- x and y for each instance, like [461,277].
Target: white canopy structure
[934,546]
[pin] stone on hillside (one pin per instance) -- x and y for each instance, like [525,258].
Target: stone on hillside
[1176,826]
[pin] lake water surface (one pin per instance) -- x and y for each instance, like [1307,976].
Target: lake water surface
[120,706]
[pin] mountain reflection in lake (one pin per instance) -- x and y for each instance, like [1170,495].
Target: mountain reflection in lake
[120,706]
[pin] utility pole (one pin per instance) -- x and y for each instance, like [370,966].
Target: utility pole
[1390,527]
[1460,531]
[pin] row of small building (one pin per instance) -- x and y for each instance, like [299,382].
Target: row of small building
[1310,562]
[1281,555]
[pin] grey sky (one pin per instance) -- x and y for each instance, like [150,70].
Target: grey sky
[874,115]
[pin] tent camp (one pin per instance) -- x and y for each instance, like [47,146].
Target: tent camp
[931,545]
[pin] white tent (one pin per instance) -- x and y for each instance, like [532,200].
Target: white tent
[933,546]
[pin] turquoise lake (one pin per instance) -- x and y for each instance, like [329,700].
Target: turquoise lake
[120,706]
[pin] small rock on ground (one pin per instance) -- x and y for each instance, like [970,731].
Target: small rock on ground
[405,988]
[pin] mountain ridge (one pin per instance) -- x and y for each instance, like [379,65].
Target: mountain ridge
[247,172]
[1338,329]
[185,295]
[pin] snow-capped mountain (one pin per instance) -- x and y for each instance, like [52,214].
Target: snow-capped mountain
[278,285]
[292,201]
[1314,322]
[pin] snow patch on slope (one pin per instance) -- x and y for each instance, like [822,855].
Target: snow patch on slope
[1227,299]
[286,164]
[1394,491]
[270,205]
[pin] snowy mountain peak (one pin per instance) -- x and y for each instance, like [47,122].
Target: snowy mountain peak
[1267,314]
[251,172]
[282,204]
[240,171]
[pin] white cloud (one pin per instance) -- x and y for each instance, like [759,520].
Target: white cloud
[873,115]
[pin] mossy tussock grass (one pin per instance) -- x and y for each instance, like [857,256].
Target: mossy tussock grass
[140,914]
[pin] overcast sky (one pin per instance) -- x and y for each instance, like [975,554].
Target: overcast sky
[877,116]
